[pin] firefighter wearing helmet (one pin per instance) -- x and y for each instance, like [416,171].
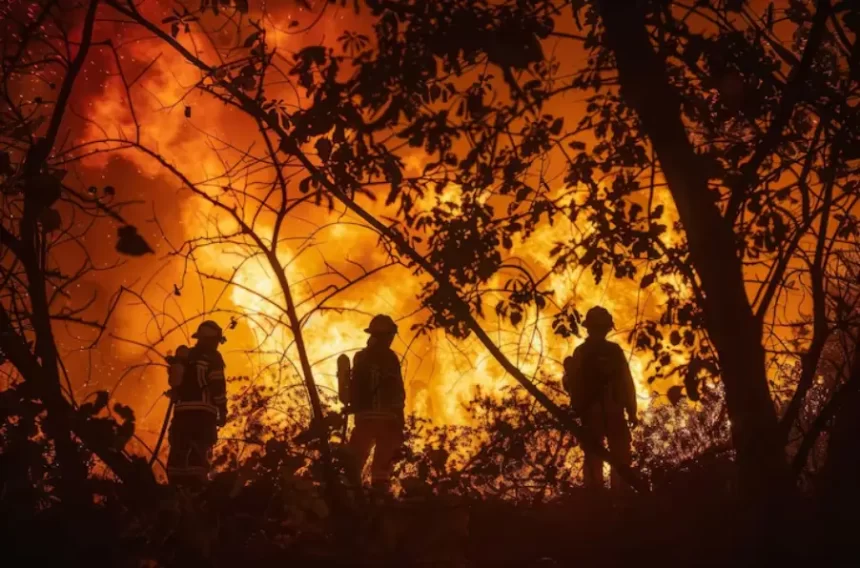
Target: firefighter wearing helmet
[601,389]
[377,398]
[199,394]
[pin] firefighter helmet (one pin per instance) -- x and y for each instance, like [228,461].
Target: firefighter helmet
[381,325]
[209,329]
[598,318]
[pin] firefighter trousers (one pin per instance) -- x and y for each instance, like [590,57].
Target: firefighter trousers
[606,423]
[383,431]
[193,433]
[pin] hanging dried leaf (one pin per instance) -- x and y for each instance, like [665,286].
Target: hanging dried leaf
[131,243]
[251,39]
[305,185]
[647,280]
[516,317]
[323,147]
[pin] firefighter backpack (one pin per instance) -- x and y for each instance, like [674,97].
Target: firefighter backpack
[343,379]
[177,363]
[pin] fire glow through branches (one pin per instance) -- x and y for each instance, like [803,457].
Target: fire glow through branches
[215,146]
[147,114]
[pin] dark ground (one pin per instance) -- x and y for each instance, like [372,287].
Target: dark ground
[577,530]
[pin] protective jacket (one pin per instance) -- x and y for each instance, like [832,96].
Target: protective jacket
[377,383]
[598,370]
[377,397]
[202,386]
[200,405]
[601,389]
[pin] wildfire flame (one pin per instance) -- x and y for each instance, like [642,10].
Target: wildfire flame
[440,372]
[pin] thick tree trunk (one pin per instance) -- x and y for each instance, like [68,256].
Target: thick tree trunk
[841,475]
[731,324]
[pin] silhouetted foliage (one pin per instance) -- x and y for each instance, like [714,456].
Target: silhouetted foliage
[713,161]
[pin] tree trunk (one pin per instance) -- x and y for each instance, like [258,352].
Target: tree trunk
[57,424]
[841,473]
[134,475]
[72,484]
[731,324]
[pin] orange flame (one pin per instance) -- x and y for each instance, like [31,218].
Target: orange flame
[441,373]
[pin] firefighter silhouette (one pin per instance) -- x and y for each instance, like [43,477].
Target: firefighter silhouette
[601,389]
[199,395]
[377,397]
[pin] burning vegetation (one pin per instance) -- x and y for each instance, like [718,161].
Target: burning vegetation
[482,172]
